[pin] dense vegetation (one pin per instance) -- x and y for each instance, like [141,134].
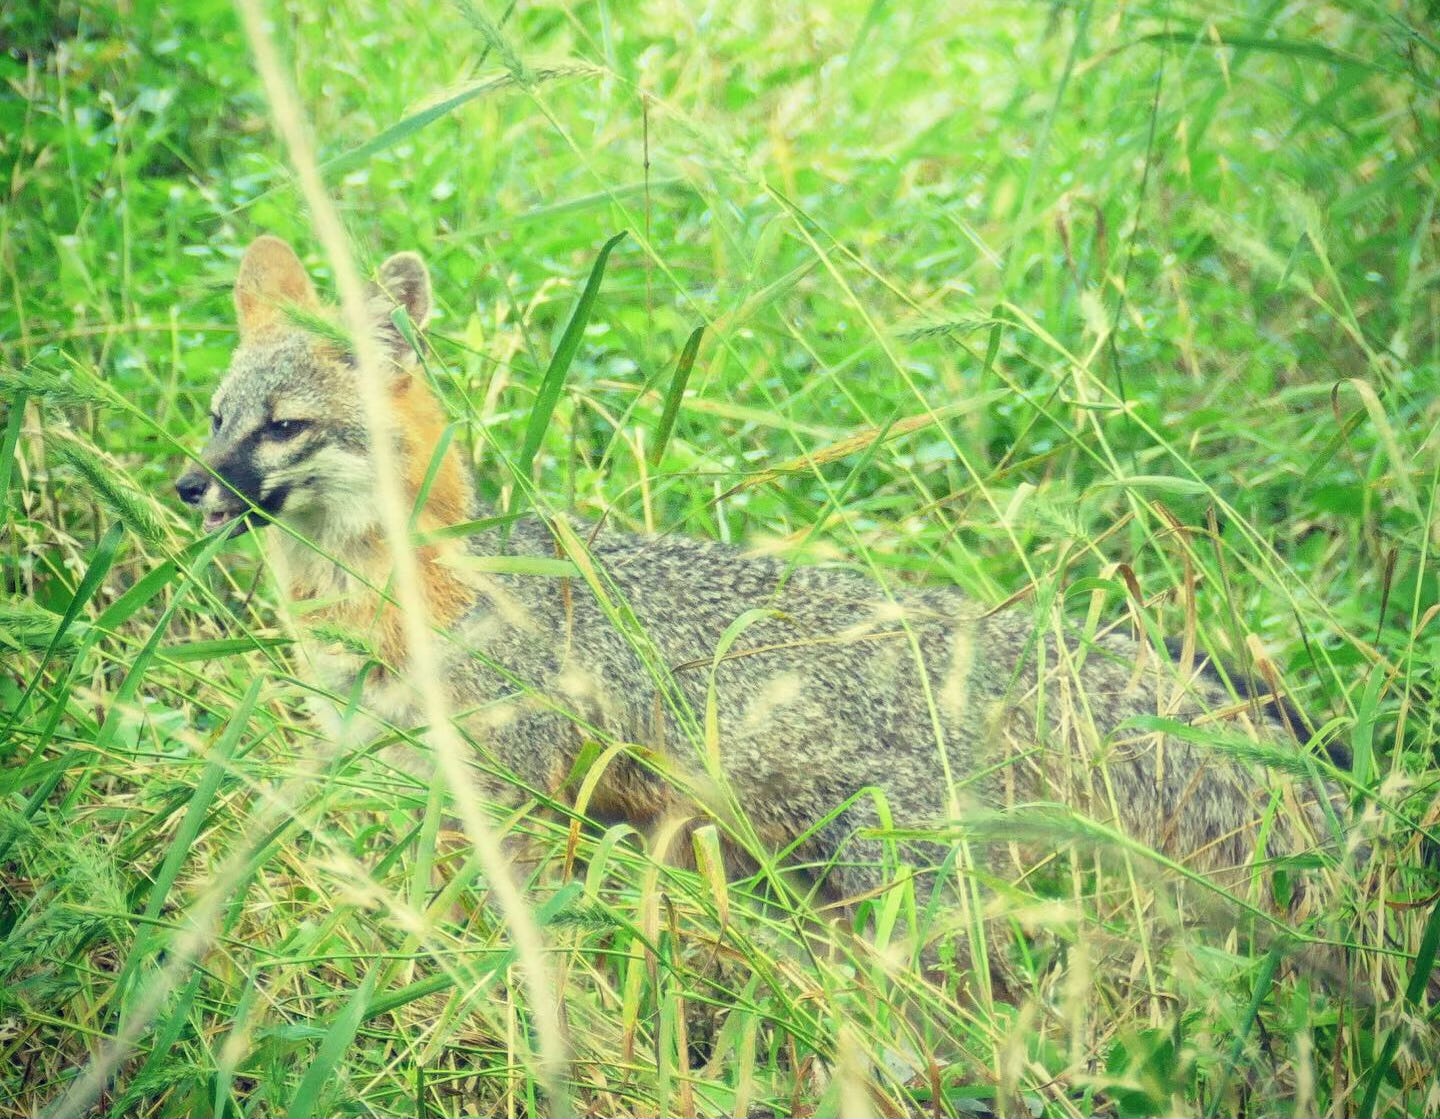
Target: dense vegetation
[1130,307]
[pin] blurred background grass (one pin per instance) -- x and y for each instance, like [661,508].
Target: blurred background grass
[1074,298]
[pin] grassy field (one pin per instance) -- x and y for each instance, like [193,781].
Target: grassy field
[1131,307]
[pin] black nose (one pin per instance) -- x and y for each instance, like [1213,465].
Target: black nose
[191,486]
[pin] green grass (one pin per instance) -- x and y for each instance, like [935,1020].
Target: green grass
[1077,299]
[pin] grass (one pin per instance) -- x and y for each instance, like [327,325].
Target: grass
[1101,302]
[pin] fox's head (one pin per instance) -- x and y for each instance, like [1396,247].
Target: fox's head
[287,430]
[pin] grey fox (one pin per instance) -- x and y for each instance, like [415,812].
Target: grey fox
[808,705]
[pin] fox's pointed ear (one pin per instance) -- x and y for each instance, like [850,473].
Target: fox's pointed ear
[270,277]
[405,282]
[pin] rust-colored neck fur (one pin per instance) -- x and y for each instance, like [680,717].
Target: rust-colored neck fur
[418,424]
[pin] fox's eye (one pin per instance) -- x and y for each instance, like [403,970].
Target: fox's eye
[285,429]
[214,423]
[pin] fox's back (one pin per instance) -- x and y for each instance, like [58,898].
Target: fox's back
[811,686]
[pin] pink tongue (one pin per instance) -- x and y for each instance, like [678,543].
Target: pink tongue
[214,520]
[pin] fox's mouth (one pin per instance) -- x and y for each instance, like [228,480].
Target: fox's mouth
[241,519]
[237,519]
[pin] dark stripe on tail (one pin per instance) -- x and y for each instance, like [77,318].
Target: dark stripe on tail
[1277,707]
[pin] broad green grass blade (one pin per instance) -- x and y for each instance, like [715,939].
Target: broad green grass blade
[867,28]
[138,667]
[542,567]
[1158,483]
[128,604]
[1362,742]
[992,344]
[219,648]
[437,459]
[722,648]
[337,1039]
[1261,990]
[13,422]
[675,394]
[1423,970]
[492,963]
[167,1034]
[554,379]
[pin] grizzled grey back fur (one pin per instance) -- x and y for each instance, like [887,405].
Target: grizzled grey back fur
[834,691]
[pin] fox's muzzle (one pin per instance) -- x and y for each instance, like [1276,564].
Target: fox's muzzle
[225,488]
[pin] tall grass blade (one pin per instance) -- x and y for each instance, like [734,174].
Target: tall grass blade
[1293,48]
[135,598]
[554,379]
[124,695]
[188,831]
[337,1039]
[676,394]
[492,963]
[158,1066]
[1263,982]
[1420,975]
[95,570]
[407,127]
[866,442]
[13,423]
[219,648]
